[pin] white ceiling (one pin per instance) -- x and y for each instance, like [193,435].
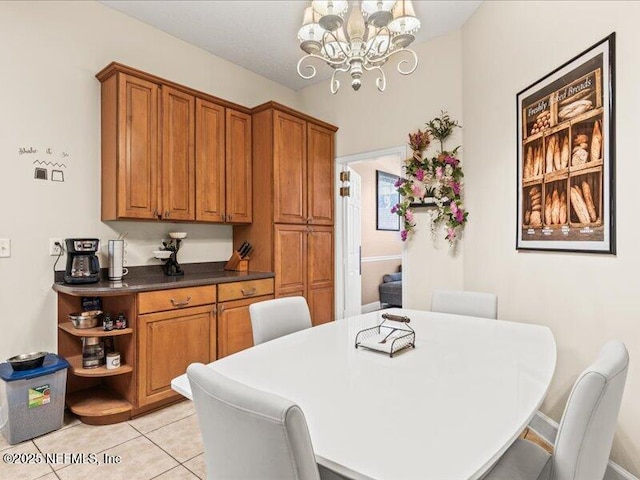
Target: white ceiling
[261,36]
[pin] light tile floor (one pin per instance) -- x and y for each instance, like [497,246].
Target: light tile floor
[164,445]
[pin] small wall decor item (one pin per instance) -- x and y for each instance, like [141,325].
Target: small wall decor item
[435,181]
[386,197]
[40,173]
[566,156]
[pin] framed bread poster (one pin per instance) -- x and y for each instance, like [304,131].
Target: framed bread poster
[566,156]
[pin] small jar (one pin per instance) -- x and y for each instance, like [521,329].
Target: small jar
[107,323]
[113,360]
[121,322]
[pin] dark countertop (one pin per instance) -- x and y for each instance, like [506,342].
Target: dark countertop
[148,278]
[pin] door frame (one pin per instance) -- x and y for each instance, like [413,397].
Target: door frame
[340,239]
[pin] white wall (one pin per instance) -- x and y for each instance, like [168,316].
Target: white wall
[584,299]
[50,52]
[370,120]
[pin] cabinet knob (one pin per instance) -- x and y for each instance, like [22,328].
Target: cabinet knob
[229,217]
[166,213]
[156,214]
[248,292]
[182,303]
[224,217]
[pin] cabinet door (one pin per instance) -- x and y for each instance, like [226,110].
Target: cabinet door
[167,343]
[320,168]
[234,325]
[178,156]
[137,191]
[290,169]
[320,274]
[290,260]
[239,194]
[210,161]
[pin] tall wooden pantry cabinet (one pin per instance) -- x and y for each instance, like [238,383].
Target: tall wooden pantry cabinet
[293,202]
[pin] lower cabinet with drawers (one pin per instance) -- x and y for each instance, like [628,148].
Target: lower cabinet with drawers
[175,328]
[169,330]
[234,323]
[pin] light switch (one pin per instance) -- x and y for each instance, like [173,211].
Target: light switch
[5,247]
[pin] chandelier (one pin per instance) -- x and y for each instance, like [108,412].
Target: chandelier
[374,32]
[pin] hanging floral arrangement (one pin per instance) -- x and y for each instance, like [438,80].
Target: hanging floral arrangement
[439,178]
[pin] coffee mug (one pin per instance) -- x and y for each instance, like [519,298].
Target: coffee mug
[116,260]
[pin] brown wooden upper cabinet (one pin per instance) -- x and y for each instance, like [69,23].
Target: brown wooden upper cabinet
[177,172]
[303,171]
[172,153]
[238,161]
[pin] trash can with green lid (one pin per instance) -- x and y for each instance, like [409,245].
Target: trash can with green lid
[32,401]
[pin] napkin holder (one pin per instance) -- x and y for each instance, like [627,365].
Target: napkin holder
[387,338]
[237,264]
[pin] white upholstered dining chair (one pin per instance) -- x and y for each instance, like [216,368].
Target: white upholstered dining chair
[274,318]
[474,304]
[586,431]
[249,434]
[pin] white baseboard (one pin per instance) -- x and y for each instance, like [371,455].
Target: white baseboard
[370,307]
[548,429]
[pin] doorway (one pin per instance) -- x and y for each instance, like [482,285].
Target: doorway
[368,244]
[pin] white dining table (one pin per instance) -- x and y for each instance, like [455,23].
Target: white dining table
[446,409]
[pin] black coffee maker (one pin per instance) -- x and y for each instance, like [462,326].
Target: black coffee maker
[83,265]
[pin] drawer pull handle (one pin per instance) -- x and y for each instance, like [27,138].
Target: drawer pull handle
[248,293]
[184,303]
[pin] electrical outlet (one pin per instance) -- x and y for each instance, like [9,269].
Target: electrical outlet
[55,250]
[5,247]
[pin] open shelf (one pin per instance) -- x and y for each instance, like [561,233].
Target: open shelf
[93,332]
[102,371]
[99,406]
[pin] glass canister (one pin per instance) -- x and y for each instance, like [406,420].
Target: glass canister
[92,352]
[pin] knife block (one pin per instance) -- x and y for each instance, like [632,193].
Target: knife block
[237,263]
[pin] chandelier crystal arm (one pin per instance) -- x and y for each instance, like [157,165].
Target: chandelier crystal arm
[333,58]
[335,83]
[384,31]
[300,67]
[406,62]
[381,81]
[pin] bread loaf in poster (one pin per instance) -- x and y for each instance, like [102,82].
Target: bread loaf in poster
[574,109]
[564,152]
[596,142]
[555,207]
[563,208]
[528,163]
[527,217]
[536,219]
[556,153]
[579,157]
[588,200]
[578,205]
[582,138]
[549,156]
[548,209]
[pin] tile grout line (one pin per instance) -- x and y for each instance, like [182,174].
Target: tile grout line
[165,425]
[48,465]
[179,463]
[197,476]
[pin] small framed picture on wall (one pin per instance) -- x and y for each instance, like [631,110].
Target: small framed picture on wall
[386,197]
